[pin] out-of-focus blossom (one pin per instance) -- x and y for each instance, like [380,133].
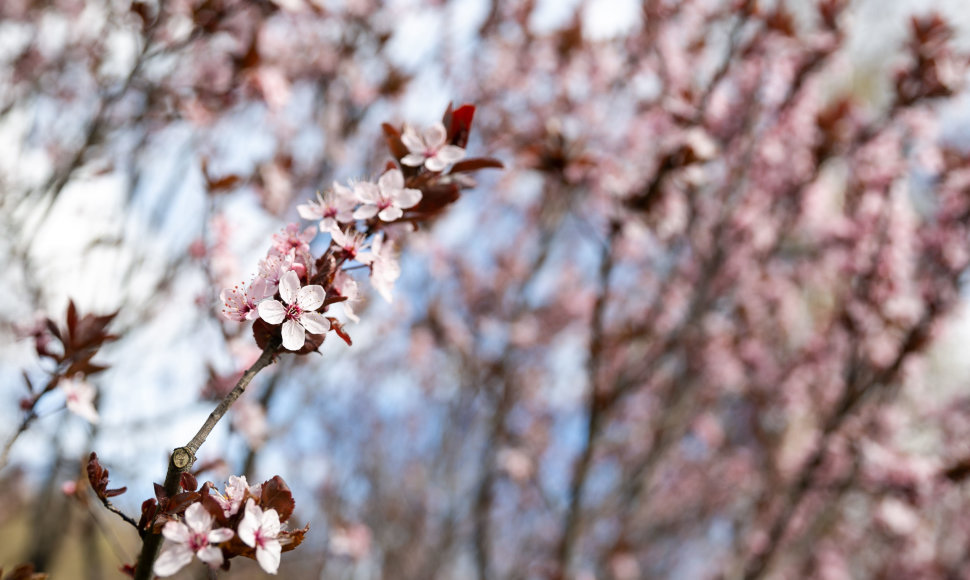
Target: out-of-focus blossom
[353,541]
[384,268]
[387,199]
[236,489]
[194,536]
[332,208]
[351,242]
[259,529]
[429,149]
[80,398]
[239,303]
[292,241]
[297,310]
[347,287]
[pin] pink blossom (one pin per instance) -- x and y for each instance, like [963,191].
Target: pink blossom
[259,529]
[351,242]
[194,536]
[387,199]
[235,492]
[240,303]
[298,311]
[336,205]
[292,241]
[384,269]
[346,287]
[271,270]
[430,149]
[80,398]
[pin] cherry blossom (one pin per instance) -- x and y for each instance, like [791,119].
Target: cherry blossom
[430,149]
[346,287]
[240,303]
[235,492]
[298,311]
[384,268]
[194,536]
[352,242]
[332,208]
[271,271]
[387,199]
[259,529]
[293,241]
[80,398]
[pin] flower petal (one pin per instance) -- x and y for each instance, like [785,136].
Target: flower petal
[391,181]
[435,164]
[177,532]
[271,311]
[268,556]
[413,160]
[435,135]
[197,518]
[314,322]
[310,297]
[389,214]
[450,154]
[408,198]
[366,192]
[289,285]
[365,212]
[293,335]
[220,535]
[172,559]
[211,555]
[412,141]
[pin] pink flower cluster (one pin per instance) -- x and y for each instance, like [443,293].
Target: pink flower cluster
[198,532]
[294,290]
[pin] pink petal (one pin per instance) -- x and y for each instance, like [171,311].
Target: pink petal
[289,285]
[390,214]
[391,181]
[314,322]
[413,160]
[412,141]
[366,192]
[177,532]
[293,335]
[435,135]
[271,311]
[408,198]
[310,297]
[365,212]
[450,154]
[268,556]
[435,164]
[197,518]
[211,555]
[220,535]
[172,559]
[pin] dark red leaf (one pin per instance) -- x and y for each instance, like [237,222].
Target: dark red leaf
[276,495]
[476,163]
[460,125]
[188,482]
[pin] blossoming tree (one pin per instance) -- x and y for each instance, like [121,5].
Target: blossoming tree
[696,328]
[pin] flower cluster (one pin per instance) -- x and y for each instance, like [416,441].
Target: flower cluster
[240,521]
[290,296]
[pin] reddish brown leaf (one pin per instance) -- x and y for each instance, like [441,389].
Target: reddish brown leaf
[276,495]
[460,125]
[476,163]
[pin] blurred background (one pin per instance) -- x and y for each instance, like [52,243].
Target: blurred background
[708,322]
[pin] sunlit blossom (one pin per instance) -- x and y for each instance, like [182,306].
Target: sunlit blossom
[429,149]
[387,199]
[297,312]
[260,529]
[192,537]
